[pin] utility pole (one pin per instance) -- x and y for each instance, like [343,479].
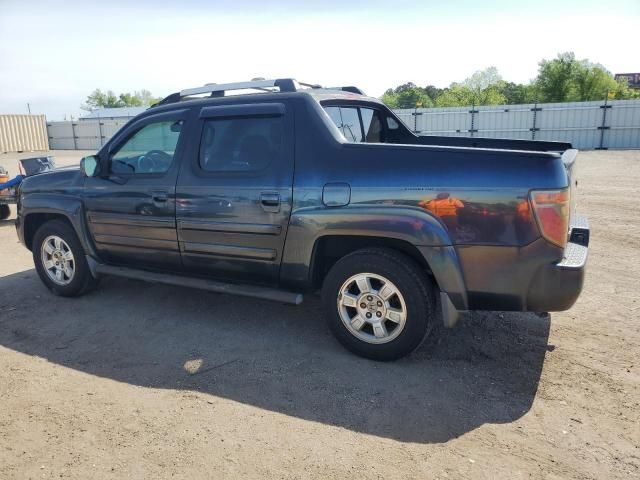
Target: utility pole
[29,108]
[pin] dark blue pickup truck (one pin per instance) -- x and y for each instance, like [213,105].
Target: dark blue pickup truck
[292,188]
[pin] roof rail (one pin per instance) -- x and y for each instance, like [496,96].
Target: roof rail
[352,89]
[218,90]
[284,84]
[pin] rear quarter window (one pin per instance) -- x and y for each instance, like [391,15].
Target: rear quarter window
[371,125]
[347,121]
[357,124]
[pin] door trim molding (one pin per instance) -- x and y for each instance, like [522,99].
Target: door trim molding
[131,220]
[135,242]
[229,227]
[253,253]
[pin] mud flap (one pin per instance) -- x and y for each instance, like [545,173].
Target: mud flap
[450,314]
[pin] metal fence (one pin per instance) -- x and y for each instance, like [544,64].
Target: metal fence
[586,125]
[82,135]
[23,133]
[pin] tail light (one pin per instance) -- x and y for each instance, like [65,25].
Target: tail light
[551,208]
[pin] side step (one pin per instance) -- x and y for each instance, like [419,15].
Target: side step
[202,284]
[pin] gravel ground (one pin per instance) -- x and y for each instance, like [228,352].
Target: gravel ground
[149,381]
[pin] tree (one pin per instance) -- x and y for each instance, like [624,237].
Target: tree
[390,99]
[129,100]
[484,87]
[562,79]
[98,99]
[482,79]
[555,78]
[433,92]
[515,93]
[623,92]
[407,96]
[456,95]
[146,97]
[592,82]
[566,79]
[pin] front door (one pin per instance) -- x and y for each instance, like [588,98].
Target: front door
[234,193]
[131,207]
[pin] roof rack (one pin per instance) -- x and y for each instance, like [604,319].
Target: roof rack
[350,89]
[218,90]
[284,84]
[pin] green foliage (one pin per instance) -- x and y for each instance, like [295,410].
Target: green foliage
[566,79]
[484,87]
[99,99]
[390,99]
[562,79]
[623,92]
[482,80]
[456,95]
[433,92]
[407,96]
[592,82]
[555,78]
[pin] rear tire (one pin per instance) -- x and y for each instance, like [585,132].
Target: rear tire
[60,260]
[379,303]
[5,211]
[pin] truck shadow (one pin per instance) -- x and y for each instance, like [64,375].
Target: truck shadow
[281,358]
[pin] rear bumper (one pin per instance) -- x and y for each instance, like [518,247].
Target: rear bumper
[556,287]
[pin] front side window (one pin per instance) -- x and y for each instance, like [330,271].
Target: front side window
[150,150]
[357,124]
[240,144]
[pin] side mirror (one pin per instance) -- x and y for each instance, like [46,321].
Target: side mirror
[176,126]
[89,166]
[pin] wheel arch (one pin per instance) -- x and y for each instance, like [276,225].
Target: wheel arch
[36,209]
[330,248]
[34,220]
[410,230]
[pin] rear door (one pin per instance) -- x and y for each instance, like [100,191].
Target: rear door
[131,209]
[234,193]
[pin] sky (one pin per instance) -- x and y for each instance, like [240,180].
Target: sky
[53,54]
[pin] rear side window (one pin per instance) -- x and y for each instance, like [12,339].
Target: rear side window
[357,124]
[240,144]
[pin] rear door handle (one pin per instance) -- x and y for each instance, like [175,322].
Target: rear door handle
[160,197]
[270,202]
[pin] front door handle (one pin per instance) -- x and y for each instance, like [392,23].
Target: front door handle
[270,202]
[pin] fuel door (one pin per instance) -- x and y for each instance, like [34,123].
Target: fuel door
[336,194]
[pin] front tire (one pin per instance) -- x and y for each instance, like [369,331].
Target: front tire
[60,260]
[379,303]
